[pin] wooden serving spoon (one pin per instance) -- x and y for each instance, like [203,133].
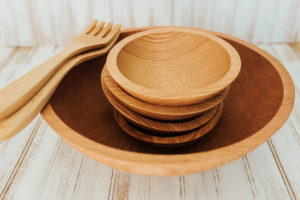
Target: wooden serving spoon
[169,113]
[19,92]
[171,141]
[20,119]
[161,127]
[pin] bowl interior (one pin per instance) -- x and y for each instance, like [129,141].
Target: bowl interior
[251,103]
[165,113]
[173,61]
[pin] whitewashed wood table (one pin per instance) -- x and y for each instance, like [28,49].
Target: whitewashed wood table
[37,164]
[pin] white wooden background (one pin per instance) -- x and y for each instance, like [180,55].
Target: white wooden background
[39,22]
[37,164]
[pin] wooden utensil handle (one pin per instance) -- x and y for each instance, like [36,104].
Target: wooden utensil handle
[20,119]
[16,94]
[11,125]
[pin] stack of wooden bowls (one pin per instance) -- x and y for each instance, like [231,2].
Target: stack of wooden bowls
[167,85]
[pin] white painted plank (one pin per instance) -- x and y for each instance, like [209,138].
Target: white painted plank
[221,20]
[284,21]
[54,170]
[183,13]
[201,186]
[15,186]
[15,150]
[26,22]
[5,55]
[98,9]
[120,187]
[47,171]
[285,145]
[139,187]
[162,188]
[254,176]
[95,181]
[18,59]
[203,14]
[12,152]
[232,181]
[27,59]
[162,13]
[122,13]
[141,8]
[243,28]
[61,178]
[264,175]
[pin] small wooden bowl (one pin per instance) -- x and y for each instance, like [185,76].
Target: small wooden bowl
[253,111]
[168,141]
[161,127]
[166,113]
[173,66]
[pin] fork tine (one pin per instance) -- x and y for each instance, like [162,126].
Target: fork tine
[91,26]
[113,33]
[104,31]
[105,49]
[98,28]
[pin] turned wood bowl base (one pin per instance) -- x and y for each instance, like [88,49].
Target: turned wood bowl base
[177,140]
[168,128]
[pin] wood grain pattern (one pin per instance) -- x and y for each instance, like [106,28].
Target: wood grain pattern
[278,144]
[253,128]
[168,141]
[160,127]
[29,23]
[160,112]
[19,92]
[173,66]
[13,124]
[14,152]
[98,181]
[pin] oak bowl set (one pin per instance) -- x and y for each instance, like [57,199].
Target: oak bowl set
[172,69]
[159,101]
[162,101]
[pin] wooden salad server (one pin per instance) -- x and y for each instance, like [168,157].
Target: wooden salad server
[19,92]
[11,125]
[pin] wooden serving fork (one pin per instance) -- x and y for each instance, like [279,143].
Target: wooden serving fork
[19,92]
[11,125]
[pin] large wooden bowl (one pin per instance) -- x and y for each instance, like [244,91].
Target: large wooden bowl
[259,102]
[173,66]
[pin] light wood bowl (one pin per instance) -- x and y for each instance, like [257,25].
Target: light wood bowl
[168,141]
[160,127]
[173,66]
[253,111]
[166,113]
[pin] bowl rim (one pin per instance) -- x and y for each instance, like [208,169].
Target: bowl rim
[148,94]
[191,136]
[163,127]
[163,112]
[178,164]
